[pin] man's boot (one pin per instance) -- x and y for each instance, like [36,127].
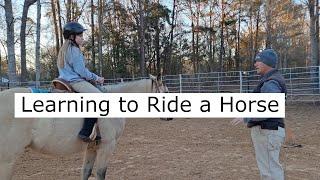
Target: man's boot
[87,128]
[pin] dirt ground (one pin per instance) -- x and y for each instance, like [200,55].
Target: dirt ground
[188,149]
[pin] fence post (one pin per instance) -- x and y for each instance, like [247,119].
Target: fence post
[198,82]
[318,79]
[218,82]
[291,88]
[180,82]
[240,77]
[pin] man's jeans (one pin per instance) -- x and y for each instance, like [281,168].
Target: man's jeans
[267,145]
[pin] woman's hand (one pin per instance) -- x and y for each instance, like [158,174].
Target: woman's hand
[100,80]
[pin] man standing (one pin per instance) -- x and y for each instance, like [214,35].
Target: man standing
[267,134]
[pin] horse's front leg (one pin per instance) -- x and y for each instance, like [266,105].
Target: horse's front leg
[103,153]
[88,161]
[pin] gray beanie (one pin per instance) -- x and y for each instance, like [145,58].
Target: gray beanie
[268,57]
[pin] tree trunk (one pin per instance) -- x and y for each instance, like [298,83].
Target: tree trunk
[56,32]
[141,30]
[317,33]
[24,72]
[197,39]
[93,54]
[257,33]
[314,46]
[237,58]
[268,9]
[157,48]
[313,34]
[251,51]
[211,40]
[60,24]
[193,58]
[100,14]
[168,63]
[10,43]
[68,7]
[38,44]
[221,55]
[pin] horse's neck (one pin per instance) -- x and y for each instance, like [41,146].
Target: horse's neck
[139,86]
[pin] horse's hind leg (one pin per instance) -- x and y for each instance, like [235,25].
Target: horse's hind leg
[8,155]
[103,153]
[9,152]
[88,161]
[6,169]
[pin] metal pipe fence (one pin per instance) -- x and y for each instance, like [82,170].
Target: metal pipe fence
[303,83]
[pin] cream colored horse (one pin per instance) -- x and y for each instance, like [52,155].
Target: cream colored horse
[59,136]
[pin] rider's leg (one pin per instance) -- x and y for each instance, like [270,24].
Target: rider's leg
[88,124]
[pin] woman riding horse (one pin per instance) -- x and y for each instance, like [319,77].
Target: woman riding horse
[72,69]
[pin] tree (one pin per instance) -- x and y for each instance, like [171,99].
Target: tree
[26,5]
[55,25]
[38,44]
[141,31]
[268,11]
[314,32]
[211,39]
[93,53]
[10,43]
[222,23]
[169,49]
[60,23]
[100,20]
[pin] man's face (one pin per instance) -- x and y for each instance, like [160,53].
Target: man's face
[261,67]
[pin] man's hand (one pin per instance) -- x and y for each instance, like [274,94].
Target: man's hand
[236,121]
[100,80]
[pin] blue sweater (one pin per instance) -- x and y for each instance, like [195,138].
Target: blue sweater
[74,69]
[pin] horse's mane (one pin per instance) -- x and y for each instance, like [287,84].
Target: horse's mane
[143,85]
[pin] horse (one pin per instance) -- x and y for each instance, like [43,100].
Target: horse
[57,136]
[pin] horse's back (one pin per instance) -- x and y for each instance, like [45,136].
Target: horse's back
[15,90]
[7,102]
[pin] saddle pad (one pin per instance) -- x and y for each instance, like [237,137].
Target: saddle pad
[37,90]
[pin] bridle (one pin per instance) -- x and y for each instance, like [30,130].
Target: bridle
[155,85]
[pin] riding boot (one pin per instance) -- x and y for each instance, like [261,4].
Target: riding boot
[87,128]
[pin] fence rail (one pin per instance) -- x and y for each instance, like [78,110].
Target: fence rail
[303,83]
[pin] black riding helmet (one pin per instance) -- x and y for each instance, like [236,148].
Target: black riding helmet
[72,28]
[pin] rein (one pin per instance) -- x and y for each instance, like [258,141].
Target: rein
[155,85]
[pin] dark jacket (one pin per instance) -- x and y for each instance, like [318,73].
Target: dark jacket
[271,82]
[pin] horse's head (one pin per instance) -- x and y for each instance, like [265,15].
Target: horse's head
[157,84]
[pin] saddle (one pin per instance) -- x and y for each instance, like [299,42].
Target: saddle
[61,86]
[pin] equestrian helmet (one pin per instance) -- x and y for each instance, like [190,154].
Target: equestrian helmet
[72,28]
